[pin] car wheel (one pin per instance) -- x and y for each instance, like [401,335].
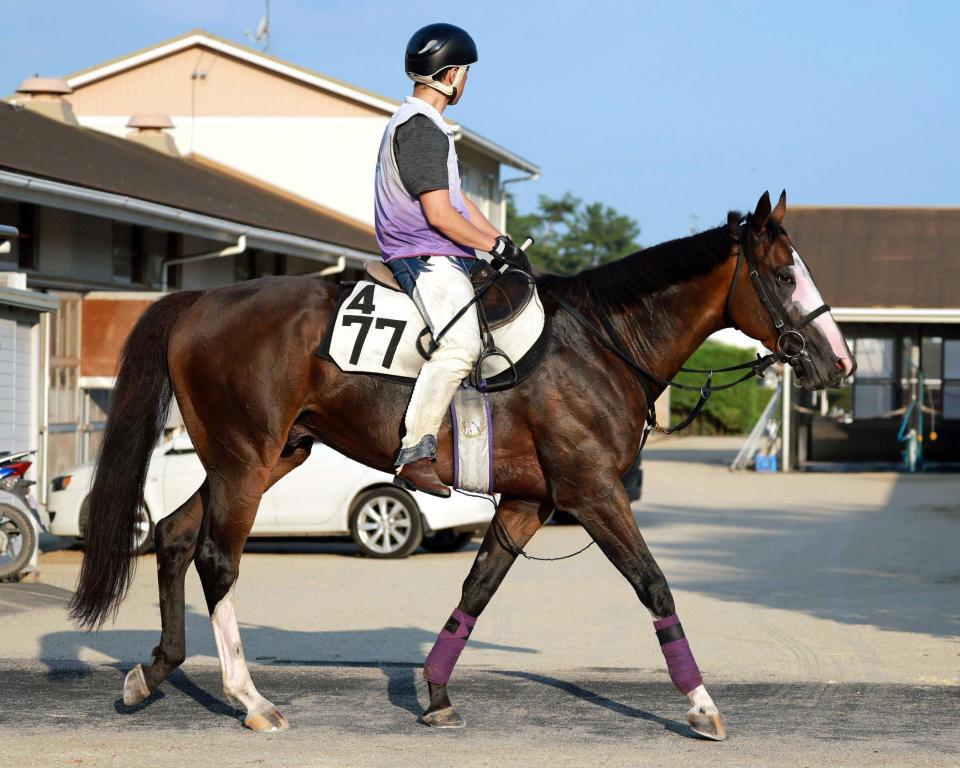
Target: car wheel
[18,540]
[385,523]
[142,531]
[142,527]
[447,541]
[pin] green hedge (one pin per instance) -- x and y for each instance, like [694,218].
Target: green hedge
[730,412]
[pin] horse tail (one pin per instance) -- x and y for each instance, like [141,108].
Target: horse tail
[138,413]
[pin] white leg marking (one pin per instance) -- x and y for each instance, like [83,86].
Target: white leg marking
[237,684]
[701,701]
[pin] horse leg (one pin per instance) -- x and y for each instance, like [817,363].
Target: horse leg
[233,508]
[175,539]
[520,519]
[606,515]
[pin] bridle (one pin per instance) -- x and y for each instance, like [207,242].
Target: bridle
[791,343]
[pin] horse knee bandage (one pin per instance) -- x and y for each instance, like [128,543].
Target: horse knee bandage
[446,651]
[683,668]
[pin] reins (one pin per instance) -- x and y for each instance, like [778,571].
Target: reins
[788,350]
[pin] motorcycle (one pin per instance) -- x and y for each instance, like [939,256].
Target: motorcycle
[20,519]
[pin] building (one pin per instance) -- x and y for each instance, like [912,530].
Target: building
[295,128]
[106,225]
[890,276]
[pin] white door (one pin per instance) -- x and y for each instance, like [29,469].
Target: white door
[313,498]
[15,431]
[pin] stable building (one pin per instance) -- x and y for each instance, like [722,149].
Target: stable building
[107,225]
[293,127]
[889,275]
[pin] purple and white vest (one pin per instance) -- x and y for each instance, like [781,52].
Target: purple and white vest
[402,228]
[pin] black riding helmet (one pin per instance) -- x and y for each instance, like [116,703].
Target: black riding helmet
[437,47]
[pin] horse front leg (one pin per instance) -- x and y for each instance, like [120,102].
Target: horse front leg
[513,525]
[604,511]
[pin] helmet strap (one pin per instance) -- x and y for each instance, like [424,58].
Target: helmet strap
[450,91]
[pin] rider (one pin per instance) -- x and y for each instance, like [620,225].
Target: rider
[427,230]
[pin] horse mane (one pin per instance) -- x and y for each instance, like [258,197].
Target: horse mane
[623,283]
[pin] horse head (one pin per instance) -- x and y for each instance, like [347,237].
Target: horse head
[784,310]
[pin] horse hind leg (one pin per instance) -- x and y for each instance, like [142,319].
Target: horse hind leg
[175,540]
[225,530]
[232,512]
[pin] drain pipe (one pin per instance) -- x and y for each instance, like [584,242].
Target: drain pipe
[230,250]
[503,196]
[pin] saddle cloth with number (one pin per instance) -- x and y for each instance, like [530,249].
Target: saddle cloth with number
[378,330]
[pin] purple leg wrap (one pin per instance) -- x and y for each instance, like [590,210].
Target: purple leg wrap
[445,652]
[676,650]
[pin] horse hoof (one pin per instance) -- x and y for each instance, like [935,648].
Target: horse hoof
[708,726]
[270,721]
[135,687]
[442,718]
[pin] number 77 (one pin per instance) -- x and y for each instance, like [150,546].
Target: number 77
[398,327]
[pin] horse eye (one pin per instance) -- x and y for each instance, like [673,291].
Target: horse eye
[785,278]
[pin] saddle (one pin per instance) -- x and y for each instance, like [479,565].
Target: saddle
[502,302]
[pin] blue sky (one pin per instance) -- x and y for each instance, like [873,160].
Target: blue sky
[665,110]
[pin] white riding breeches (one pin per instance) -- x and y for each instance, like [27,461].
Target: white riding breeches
[440,289]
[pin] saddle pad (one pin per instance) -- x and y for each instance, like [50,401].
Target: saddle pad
[472,440]
[376,330]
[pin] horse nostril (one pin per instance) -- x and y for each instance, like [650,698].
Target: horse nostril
[844,366]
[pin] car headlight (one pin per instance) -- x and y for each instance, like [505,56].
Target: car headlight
[61,483]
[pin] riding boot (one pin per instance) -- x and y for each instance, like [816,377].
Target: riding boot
[421,475]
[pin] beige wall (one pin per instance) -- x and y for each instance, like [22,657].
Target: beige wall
[296,136]
[231,87]
[481,182]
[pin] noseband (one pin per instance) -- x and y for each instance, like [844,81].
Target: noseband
[791,342]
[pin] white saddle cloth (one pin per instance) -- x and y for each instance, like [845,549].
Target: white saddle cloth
[376,331]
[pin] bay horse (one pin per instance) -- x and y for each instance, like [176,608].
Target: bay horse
[239,360]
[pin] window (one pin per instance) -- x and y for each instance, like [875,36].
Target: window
[174,250]
[873,392]
[951,379]
[28,220]
[129,260]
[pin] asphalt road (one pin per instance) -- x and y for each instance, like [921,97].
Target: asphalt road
[824,611]
[361,716]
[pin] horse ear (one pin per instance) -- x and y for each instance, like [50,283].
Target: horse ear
[762,215]
[780,211]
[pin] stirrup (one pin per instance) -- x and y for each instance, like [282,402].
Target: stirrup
[476,376]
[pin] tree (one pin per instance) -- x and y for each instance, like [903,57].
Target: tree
[572,236]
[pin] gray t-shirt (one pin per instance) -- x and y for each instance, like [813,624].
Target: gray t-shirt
[421,152]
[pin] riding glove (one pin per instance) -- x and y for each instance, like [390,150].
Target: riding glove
[508,252]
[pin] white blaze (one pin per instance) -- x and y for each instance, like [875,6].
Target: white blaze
[808,298]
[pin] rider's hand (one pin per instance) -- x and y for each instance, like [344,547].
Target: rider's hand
[505,250]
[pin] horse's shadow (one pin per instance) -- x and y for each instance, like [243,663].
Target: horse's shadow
[600,700]
[62,654]
[404,689]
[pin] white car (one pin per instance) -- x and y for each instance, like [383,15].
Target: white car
[329,495]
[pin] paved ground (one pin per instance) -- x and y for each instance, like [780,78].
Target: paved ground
[823,609]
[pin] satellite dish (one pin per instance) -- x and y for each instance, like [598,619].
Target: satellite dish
[262,35]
